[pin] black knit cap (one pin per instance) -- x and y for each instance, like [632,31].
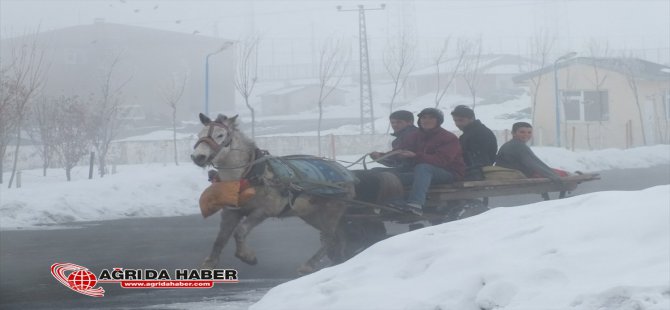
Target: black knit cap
[402,115]
[463,111]
[434,112]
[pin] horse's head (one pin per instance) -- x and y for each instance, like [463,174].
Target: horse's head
[213,139]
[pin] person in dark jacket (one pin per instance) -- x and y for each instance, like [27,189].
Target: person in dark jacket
[436,157]
[515,154]
[479,144]
[402,123]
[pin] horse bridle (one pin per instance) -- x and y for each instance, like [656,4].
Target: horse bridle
[209,140]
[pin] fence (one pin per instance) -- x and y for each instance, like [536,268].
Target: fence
[161,151]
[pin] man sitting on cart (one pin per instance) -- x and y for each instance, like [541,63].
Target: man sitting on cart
[478,142]
[436,158]
[515,154]
[402,123]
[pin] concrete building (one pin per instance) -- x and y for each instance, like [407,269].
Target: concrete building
[603,103]
[150,62]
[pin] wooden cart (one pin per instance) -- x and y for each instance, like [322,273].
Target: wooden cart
[363,224]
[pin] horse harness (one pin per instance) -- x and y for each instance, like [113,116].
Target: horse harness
[259,161]
[209,140]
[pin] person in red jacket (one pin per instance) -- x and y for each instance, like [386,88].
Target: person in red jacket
[436,157]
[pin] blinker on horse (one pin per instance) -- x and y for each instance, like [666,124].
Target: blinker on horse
[222,145]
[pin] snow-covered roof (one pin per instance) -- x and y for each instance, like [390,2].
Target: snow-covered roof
[489,64]
[640,67]
[284,91]
[292,89]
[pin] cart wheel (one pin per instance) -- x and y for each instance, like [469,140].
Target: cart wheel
[415,226]
[473,207]
[359,234]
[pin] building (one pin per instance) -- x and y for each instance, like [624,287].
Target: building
[602,103]
[299,98]
[149,62]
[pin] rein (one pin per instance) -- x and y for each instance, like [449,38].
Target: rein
[362,159]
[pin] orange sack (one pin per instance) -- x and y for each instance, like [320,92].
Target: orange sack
[224,194]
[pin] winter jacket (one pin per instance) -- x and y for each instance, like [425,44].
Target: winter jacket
[515,154]
[400,136]
[437,147]
[479,145]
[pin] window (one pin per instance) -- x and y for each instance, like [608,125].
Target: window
[666,103]
[74,57]
[586,105]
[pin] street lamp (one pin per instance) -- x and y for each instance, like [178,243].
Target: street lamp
[558,110]
[221,49]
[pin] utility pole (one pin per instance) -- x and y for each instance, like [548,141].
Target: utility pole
[367,108]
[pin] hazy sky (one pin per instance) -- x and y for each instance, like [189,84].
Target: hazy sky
[504,25]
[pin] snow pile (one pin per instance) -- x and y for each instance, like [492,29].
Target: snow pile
[606,250]
[607,159]
[136,191]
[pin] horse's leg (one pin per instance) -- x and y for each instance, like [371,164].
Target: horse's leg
[229,220]
[243,252]
[326,219]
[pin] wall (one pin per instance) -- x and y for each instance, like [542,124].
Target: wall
[622,130]
[141,152]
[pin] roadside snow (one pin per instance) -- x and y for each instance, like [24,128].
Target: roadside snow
[606,250]
[135,191]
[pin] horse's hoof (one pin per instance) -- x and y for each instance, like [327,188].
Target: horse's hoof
[209,264]
[305,270]
[251,261]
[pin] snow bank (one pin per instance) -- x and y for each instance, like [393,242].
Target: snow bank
[606,250]
[135,191]
[607,159]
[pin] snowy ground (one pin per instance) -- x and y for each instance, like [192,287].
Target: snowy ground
[157,190]
[606,250]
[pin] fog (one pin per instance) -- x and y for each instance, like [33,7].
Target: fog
[154,45]
[290,27]
[123,81]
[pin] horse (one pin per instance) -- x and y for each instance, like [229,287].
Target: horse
[222,145]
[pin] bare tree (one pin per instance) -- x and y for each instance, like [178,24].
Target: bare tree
[43,119]
[597,52]
[7,119]
[471,66]
[541,45]
[442,88]
[247,74]
[106,114]
[399,63]
[71,133]
[632,71]
[331,71]
[25,78]
[172,94]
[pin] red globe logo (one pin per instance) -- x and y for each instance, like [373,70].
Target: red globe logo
[82,280]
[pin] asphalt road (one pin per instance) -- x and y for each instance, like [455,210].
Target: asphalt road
[182,242]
